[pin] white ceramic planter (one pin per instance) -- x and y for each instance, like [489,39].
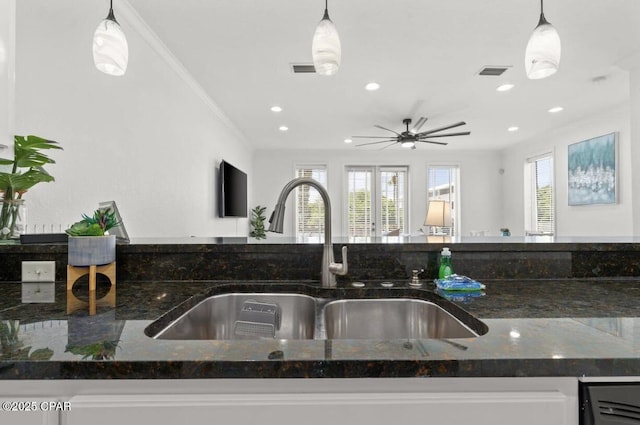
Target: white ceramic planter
[90,250]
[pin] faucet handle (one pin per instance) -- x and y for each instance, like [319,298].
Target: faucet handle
[415,279]
[340,268]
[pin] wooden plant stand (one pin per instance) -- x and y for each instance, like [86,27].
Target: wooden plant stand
[76,272]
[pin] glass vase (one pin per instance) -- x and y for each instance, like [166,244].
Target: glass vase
[13,219]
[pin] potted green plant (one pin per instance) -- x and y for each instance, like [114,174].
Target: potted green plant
[89,239]
[26,170]
[257,222]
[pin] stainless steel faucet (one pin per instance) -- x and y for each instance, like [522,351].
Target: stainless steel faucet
[276,224]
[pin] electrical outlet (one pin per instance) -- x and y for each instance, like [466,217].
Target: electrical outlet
[38,271]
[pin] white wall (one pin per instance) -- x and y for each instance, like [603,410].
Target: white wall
[588,220]
[147,140]
[7,74]
[152,142]
[480,184]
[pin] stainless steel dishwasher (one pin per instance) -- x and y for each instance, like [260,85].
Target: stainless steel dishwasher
[609,403]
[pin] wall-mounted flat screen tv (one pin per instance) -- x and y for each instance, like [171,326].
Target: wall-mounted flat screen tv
[232,201]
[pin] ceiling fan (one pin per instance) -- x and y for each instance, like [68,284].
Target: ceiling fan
[410,137]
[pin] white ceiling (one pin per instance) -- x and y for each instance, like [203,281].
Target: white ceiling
[424,53]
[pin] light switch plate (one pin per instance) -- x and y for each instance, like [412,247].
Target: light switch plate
[38,271]
[38,292]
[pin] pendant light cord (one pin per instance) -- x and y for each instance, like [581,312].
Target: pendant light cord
[111,16]
[542,20]
[326,10]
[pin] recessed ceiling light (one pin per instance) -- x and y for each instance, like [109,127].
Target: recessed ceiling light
[348,140]
[556,109]
[505,87]
[372,86]
[513,128]
[276,108]
[283,128]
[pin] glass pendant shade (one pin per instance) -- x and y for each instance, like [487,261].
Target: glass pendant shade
[325,48]
[110,48]
[542,57]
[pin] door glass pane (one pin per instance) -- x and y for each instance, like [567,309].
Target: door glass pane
[392,202]
[360,209]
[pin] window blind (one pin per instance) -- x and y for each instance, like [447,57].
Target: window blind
[360,209]
[442,186]
[309,215]
[392,200]
[543,194]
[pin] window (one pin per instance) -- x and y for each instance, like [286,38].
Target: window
[309,215]
[376,195]
[443,185]
[540,216]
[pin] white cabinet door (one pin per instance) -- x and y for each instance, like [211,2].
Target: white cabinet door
[28,411]
[453,408]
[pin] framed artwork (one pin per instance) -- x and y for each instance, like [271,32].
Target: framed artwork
[593,171]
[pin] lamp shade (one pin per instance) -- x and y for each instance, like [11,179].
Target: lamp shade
[110,48]
[542,56]
[438,214]
[325,48]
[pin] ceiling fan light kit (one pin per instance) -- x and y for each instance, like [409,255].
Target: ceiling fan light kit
[110,48]
[409,137]
[326,49]
[542,56]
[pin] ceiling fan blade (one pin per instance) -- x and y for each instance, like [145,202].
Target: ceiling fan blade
[369,137]
[433,141]
[384,128]
[389,145]
[419,124]
[375,143]
[425,133]
[462,133]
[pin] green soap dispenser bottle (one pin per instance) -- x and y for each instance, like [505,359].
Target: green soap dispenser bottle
[445,264]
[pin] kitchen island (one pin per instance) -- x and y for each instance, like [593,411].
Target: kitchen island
[572,327]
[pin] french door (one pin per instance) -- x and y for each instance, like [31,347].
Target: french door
[377,201]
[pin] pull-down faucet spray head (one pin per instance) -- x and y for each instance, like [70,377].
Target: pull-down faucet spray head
[276,224]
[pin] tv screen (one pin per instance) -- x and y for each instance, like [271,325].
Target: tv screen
[233,191]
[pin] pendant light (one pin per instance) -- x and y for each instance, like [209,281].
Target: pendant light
[543,50]
[325,49]
[110,48]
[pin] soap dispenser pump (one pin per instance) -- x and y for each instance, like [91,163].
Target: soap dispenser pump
[445,264]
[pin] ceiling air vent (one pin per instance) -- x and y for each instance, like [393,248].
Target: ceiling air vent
[303,68]
[493,71]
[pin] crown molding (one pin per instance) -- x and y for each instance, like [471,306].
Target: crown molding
[129,14]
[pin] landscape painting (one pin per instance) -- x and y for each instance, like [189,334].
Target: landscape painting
[592,171]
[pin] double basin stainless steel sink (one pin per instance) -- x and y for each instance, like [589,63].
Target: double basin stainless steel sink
[299,316]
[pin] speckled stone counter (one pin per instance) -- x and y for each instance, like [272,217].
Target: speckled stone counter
[561,327]
[202,259]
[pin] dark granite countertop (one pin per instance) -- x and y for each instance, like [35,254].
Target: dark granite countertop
[559,327]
